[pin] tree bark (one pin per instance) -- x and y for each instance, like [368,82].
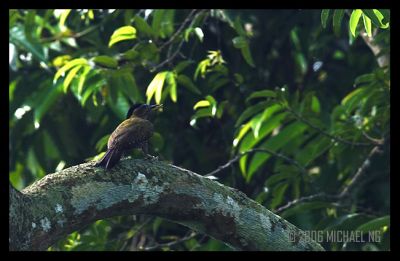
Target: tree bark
[73,198]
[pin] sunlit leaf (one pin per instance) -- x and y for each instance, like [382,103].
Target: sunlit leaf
[354,18]
[70,77]
[376,17]
[367,25]
[122,34]
[202,103]
[199,33]
[155,87]
[68,66]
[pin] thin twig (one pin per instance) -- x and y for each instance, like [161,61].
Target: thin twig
[172,243]
[339,197]
[338,139]
[170,58]
[180,29]
[264,150]
[360,172]
[319,196]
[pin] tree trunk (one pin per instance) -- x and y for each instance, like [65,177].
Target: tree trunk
[71,199]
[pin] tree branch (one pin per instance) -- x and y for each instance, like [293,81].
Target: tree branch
[335,138]
[73,198]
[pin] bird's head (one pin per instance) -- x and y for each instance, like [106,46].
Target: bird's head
[142,110]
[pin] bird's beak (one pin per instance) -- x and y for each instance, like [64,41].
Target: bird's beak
[155,107]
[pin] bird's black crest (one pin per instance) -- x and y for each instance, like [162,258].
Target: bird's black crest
[132,108]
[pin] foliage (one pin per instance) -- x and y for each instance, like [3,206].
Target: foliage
[230,81]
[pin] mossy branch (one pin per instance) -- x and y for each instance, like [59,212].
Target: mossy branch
[71,199]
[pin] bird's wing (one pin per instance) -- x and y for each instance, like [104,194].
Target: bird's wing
[131,132]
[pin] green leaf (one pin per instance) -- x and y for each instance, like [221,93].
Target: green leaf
[171,81]
[213,103]
[304,207]
[143,27]
[354,18]
[199,33]
[68,66]
[63,17]
[238,27]
[259,94]
[187,83]
[122,34]
[102,143]
[337,21]
[105,61]
[354,98]
[243,130]
[46,98]
[376,17]
[220,109]
[257,121]
[301,63]
[367,25]
[386,16]
[219,83]
[71,76]
[375,224]
[324,17]
[155,87]
[200,104]
[250,111]
[18,37]
[275,143]
[365,78]
[30,24]
[347,222]
[247,55]
[278,193]
[239,42]
[181,66]
[82,78]
[157,20]
[315,105]
[249,141]
[128,85]
[315,148]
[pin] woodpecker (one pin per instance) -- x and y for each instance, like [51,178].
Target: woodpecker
[132,133]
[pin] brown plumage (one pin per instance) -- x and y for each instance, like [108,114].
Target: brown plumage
[134,132]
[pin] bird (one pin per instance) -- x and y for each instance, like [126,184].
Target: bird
[134,132]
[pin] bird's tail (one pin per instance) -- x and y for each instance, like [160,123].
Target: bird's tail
[109,160]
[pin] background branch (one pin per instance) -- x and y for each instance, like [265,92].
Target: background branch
[264,150]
